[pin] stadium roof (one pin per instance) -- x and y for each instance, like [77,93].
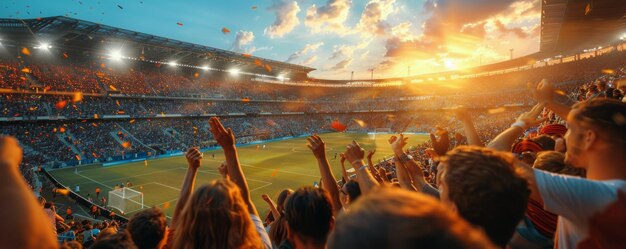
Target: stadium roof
[71,33]
[575,25]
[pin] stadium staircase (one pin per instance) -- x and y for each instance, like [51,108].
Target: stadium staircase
[64,137]
[130,135]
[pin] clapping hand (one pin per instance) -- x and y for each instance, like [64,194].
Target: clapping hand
[224,137]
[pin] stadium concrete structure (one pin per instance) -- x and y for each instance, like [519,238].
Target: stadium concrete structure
[263,98]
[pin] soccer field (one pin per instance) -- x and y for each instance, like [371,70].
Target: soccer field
[282,164]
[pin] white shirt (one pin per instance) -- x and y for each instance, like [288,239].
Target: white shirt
[258,225]
[575,200]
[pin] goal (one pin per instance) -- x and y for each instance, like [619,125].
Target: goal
[126,200]
[372,135]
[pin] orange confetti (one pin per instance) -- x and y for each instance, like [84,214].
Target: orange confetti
[196,74]
[338,126]
[94,124]
[94,154]
[608,71]
[179,24]
[126,144]
[225,30]
[26,70]
[102,65]
[77,157]
[77,97]
[166,205]
[66,55]
[121,112]
[496,110]
[62,129]
[245,100]
[587,8]
[54,130]
[268,68]
[258,63]
[61,104]
[62,191]
[117,102]
[112,88]
[247,55]
[95,116]
[559,92]
[132,121]
[359,122]
[275,172]
[25,51]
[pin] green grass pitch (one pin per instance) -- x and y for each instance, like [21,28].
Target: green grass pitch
[282,164]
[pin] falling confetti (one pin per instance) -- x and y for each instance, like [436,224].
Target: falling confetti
[132,121]
[119,6]
[196,74]
[608,71]
[94,124]
[338,126]
[112,88]
[245,100]
[63,191]
[77,157]
[225,31]
[62,129]
[179,23]
[258,63]
[102,65]
[587,8]
[559,92]
[126,144]
[25,51]
[61,104]
[275,172]
[166,205]
[496,110]
[117,102]
[247,55]
[65,55]
[95,116]
[26,70]
[359,122]
[77,97]
[268,68]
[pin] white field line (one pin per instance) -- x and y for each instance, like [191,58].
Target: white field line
[283,171]
[133,176]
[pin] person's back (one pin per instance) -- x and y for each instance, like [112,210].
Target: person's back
[397,218]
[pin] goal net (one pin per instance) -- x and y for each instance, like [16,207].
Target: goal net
[372,135]
[125,200]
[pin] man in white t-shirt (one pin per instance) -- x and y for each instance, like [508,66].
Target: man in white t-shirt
[595,141]
[52,216]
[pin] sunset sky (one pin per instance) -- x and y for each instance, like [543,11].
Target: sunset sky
[334,36]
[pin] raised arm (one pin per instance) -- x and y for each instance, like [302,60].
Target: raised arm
[355,154]
[545,92]
[271,205]
[373,170]
[193,156]
[344,173]
[226,139]
[468,127]
[505,140]
[23,221]
[318,147]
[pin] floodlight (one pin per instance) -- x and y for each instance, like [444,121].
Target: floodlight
[116,55]
[234,71]
[281,77]
[205,68]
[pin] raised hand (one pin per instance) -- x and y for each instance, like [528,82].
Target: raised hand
[223,169]
[266,198]
[531,118]
[543,91]
[397,144]
[442,144]
[370,154]
[317,146]
[194,156]
[224,137]
[355,154]
[10,151]
[462,114]
[343,158]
